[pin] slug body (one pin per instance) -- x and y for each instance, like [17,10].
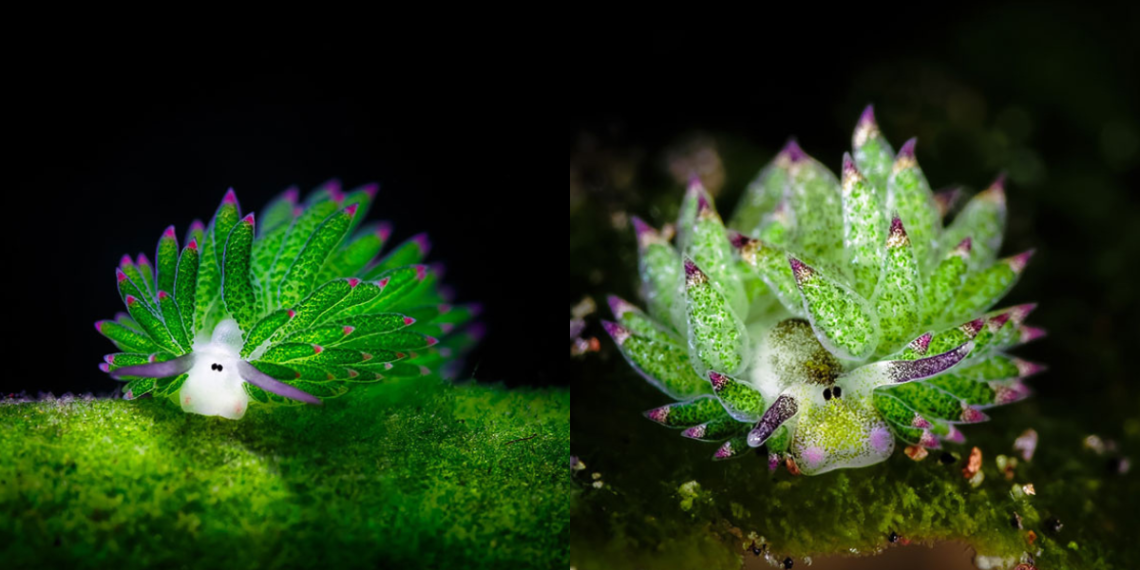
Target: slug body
[831,315]
[298,308]
[213,385]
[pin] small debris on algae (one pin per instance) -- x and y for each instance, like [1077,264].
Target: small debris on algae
[1019,492]
[576,464]
[576,327]
[916,452]
[1031,537]
[1006,465]
[1026,443]
[756,550]
[974,464]
[1094,443]
[788,562]
[688,492]
[581,346]
[599,484]
[1025,566]
[584,308]
[1053,525]
[992,562]
[976,480]
[792,467]
[1015,521]
[773,462]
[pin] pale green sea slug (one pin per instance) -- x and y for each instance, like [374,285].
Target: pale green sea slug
[831,316]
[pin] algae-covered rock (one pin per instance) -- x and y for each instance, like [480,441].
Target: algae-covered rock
[415,473]
[665,505]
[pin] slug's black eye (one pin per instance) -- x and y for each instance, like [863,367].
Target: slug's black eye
[834,391]
[216,366]
[827,393]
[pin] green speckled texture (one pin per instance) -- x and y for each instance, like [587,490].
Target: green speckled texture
[864,231]
[167,261]
[661,267]
[981,220]
[973,392]
[263,330]
[927,399]
[740,400]
[717,339]
[909,195]
[760,197]
[686,414]
[847,321]
[353,257]
[408,474]
[299,279]
[173,319]
[237,291]
[292,246]
[814,195]
[772,266]
[667,363]
[897,295]
[712,252]
[943,284]
[185,285]
[982,289]
[874,158]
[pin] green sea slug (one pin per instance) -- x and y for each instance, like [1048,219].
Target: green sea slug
[831,316]
[297,306]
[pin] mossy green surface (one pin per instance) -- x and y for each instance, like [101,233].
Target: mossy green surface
[411,474]
[664,503]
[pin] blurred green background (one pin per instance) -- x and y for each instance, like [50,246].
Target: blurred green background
[1047,93]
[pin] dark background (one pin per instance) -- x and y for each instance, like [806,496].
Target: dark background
[1048,93]
[117,144]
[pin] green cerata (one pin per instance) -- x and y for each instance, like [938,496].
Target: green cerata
[296,305]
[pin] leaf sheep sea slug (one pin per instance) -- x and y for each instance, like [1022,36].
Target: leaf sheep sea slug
[836,315]
[293,306]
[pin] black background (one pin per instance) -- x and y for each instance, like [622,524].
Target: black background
[114,145]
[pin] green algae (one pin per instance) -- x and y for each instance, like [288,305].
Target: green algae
[665,504]
[414,473]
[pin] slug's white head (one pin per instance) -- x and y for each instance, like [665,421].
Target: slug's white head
[213,386]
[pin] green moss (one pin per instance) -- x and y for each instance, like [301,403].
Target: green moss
[414,473]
